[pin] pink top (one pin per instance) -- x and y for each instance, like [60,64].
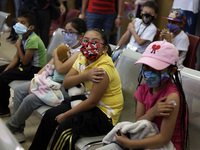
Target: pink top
[144,96]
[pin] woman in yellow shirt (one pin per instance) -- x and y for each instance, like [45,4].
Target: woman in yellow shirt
[99,112]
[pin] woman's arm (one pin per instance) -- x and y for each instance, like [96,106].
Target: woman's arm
[97,91]
[166,130]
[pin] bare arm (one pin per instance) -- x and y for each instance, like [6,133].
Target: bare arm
[98,90]
[63,68]
[84,7]
[25,58]
[13,63]
[131,28]
[120,12]
[166,130]
[124,38]
[62,7]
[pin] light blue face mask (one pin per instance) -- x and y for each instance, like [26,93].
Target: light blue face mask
[153,79]
[71,39]
[20,28]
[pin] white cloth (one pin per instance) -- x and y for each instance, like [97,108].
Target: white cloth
[189,5]
[181,42]
[137,130]
[72,51]
[46,89]
[145,32]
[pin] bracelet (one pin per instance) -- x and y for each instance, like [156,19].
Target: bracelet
[118,16]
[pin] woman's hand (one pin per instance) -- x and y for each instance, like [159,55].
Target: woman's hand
[60,118]
[95,74]
[162,108]
[122,139]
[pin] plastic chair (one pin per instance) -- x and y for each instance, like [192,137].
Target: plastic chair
[157,35]
[192,50]
[3,17]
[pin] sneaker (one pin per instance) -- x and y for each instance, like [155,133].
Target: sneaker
[19,136]
[5,27]
[4,113]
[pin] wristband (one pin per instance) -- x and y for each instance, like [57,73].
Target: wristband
[118,16]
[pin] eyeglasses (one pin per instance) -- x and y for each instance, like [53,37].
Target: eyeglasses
[69,33]
[85,41]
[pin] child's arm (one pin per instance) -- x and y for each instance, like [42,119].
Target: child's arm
[161,139]
[131,28]
[97,91]
[161,108]
[73,77]
[63,68]
[25,58]
[13,63]
[124,38]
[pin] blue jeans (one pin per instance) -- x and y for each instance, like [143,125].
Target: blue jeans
[24,105]
[101,21]
[190,22]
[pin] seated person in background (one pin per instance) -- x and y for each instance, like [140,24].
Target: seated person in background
[160,100]
[30,57]
[99,112]
[24,102]
[175,34]
[142,31]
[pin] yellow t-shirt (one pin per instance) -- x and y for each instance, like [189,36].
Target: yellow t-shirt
[112,101]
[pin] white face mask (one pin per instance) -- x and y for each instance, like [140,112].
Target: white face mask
[71,39]
[20,28]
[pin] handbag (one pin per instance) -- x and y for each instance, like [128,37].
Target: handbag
[54,10]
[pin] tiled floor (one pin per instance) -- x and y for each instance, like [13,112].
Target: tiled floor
[7,51]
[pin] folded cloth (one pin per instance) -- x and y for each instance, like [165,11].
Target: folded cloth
[137,130]
[46,89]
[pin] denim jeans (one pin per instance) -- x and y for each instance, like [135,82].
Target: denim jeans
[101,21]
[24,105]
[190,22]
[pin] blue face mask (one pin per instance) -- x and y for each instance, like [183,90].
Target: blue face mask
[173,28]
[153,79]
[20,28]
[71,39]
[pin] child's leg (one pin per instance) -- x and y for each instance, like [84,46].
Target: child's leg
[23,109]
[47,126]
[90,123]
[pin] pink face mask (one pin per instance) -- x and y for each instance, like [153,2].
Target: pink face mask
[90,50]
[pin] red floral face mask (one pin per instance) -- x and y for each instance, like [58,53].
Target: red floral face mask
[90,50]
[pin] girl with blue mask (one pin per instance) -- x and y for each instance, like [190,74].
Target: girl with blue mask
[160,100]
[175,33]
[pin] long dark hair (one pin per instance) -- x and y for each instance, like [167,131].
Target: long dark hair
[105,40]
[183,105]
[78,24]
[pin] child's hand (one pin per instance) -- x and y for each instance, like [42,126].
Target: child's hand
[18,43]
[95,74]
[167,35]
[131,26]
[60,118]
[121,139]
[162,108]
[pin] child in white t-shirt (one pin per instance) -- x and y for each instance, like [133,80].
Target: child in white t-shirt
[175,35]
[140,31]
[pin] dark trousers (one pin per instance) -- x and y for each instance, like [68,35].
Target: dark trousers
[90,123]
[13,74]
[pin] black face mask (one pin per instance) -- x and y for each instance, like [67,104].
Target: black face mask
[147,18]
